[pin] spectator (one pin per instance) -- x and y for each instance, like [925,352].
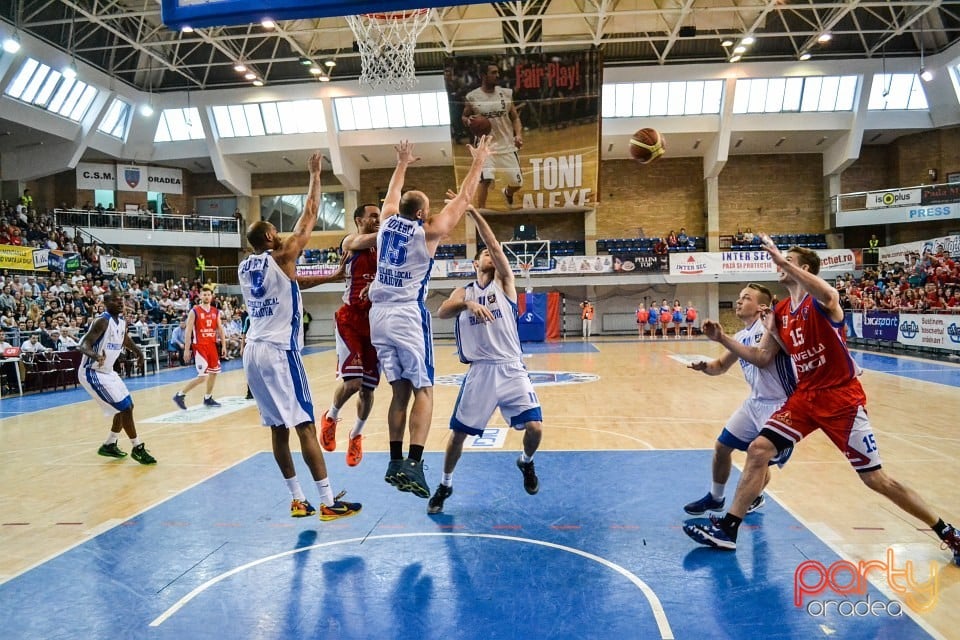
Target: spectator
[672,240]
[176,344]
[682,237]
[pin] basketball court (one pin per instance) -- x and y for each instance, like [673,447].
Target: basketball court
[201,545]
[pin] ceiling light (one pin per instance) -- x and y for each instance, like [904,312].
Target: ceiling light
[186,29]
[330,63]
[824,37]
[323,78]
[268,23]
[735,59]
[258,83]
[70,71]
[250,75]
[316,71]
[305,61]
[239,67]
[805,56]
[925,75]
[11,44]
[748,40]
[146,110]
[727,43]
[740,49]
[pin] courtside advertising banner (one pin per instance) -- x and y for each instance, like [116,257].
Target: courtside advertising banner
[878,199]
[880,325]
[18,258]
[938,331]
[111,264]
[747,262]
[903,252]
[544,113]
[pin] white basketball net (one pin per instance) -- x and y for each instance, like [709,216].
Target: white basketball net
[386,42]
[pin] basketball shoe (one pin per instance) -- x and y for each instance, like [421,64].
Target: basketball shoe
[111,451]
[531,484]
[711,535]
[355,450]
[704,504]
[141,455]
[436,501]
[339,508]
[208,401]
[757,503]
[180,400]
[951,540]
[328,432]
[507,196]
[301,509]
[391,477]
[411,478]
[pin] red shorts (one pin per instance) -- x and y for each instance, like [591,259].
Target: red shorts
[206,358]
[840,412]
[356,356]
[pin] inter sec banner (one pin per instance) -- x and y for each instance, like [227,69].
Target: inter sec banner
[543,111]
[746,262]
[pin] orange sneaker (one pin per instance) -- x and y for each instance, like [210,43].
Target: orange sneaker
[355,450]
[301,509]
[339,509]
[328,432]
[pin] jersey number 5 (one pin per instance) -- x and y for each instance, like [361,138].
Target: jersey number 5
[394,249]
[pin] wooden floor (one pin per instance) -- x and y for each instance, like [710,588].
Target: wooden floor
[55,492]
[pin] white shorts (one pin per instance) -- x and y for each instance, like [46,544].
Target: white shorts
[745,424]
[490,385]
[403,339]
[278,383]
[107,388]
[504,164]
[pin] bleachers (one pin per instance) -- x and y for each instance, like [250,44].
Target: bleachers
[784,241]
[640,246]
[451,251]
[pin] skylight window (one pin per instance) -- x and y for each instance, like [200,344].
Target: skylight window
[269,118]
[895,91]
[629,100]
[177,125]
[790,95]
[117,120]
[392,112]
[40,86]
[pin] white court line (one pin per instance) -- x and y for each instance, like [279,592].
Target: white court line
[658,613]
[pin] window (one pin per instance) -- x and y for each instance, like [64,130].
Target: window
[283,211]
[790,95]
[392,112]
[179,124]
[39,85]
[269,118]
[117,120]
[897,91]
[628,100]
[104,198]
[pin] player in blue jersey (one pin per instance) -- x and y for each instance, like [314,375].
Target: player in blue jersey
[488,339]
[271,354]
[399,320]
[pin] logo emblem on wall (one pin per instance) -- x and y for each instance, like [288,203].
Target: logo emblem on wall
[132,177]
[909,329]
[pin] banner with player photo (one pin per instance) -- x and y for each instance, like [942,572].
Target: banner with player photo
[543,111]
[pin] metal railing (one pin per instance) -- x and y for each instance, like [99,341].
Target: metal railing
[144,220]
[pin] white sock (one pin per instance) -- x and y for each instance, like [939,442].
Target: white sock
[524,457]
[296,491]
[112,438]
[326,493]
[357,428]
[207,397]
[135,441]
[446,479]
[717,490]
[181,393]
[333,413]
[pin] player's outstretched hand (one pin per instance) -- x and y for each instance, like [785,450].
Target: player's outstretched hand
[405,152]
[482,150]
[315,163]
[698,366]
[768,317]
[480,312]
[771,247]
[712,329]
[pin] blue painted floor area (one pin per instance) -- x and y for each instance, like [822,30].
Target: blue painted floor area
[925,370]
[591,556]
[559,347]
[17,405]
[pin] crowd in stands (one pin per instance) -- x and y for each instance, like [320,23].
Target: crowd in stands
[927,283]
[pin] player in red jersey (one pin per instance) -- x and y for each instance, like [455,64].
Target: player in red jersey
[809,326]
[200,337]
[357,364]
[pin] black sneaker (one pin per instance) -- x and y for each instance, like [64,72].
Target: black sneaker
[436,502]
[411,478]
[531,483]
[391,477]
[758,502]
[141,455]
[951,540]
[111,451]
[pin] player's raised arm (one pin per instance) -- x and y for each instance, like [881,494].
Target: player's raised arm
[500,261]
[298,239]
[405,157]
[825,293]
[440,225]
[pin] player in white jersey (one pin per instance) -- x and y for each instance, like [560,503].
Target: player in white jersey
[271,355]
[488,339]
[101,346]
[496,104]
[399,319]
[769,388]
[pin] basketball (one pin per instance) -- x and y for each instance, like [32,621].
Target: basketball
[646,145]
[480,126]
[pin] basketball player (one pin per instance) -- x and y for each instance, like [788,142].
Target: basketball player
[769,388]
[271,355]
[809,326]
[399,320]
[200,338]
[489,341]
[357,364]
[100,347]
[496,104]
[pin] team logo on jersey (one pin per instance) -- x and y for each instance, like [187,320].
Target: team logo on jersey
[805,312]
[492,298]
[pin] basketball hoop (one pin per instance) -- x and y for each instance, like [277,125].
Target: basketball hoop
[387,42]
[525,268]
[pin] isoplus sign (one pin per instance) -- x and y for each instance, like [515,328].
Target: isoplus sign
[842,587]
